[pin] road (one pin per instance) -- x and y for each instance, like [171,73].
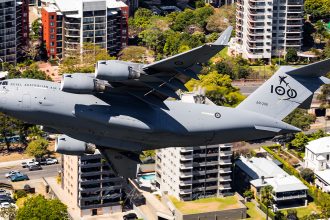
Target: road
[47,171]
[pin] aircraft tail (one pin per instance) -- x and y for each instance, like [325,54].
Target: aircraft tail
[288,89]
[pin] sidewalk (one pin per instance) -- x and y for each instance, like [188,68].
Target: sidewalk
[13,163]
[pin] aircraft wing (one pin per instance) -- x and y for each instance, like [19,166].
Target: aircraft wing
[160,80]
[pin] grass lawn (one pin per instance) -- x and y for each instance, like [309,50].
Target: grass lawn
[303,211]
[253,213]
[262,71]
[206,205]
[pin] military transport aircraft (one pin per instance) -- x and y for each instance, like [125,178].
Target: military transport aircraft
[124,108]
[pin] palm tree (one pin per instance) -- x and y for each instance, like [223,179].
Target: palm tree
[267,197]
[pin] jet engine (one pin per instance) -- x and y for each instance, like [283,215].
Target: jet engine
[81,83]
[69,146]
[116,70]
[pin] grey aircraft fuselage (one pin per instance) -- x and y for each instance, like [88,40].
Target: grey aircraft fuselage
[123,122]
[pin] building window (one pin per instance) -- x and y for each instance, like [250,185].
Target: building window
[52,17]
[52,23]
[52,30]
[52,50]
[52,36]
[52,43]
[328,157]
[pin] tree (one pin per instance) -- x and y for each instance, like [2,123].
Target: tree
[36,26]
[292,214]
[299,142]
[33,72]
[38,207]
[183,20]
[221,18]
[83,62]
[300,118]
[291,55]
[153,38]
[248,194]
[326,50]
[307,174]
[136,54]
[38,148]
[280,216]
[321,30]
[218,88]
[324,96]
[266,195]
[318,8]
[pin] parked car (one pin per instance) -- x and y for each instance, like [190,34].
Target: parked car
[130,216]
[5,205]
[34,167]
[50,161]
[18,177]
[24,164]
[10,173]
[6,198]
[32,162]
[4,192]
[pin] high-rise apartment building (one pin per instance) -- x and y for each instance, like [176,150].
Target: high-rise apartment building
[14,28]
[269,27]
[91,184]
[190,173]
[67,25]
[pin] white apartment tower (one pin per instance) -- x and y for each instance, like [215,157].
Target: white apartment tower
[190,173]
[266,28]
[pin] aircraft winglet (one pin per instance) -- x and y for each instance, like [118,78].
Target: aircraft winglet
[224,37]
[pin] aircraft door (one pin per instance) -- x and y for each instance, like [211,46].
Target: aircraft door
[26,101]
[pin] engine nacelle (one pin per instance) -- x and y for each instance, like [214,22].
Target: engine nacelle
[69,146]
[81,83]
[116,70]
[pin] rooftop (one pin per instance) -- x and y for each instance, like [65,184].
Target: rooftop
[257,167]
[286,184]
[207,204]
[324,175]
[321,145]
[77,5]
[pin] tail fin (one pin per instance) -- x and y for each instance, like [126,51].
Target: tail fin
[287,89]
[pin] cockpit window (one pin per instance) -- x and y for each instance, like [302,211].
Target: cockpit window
[4,83]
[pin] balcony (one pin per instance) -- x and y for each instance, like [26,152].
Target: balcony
[225,162]
[185,182]
[186,166]
[225,153]
[186,157]
[225,170]
[185,191]
[224,179]
[186,149]
[302,196]
[224,186]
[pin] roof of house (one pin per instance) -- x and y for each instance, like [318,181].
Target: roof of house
[321,145]
[281,183]
[257,167]
[324,175]
[286,184]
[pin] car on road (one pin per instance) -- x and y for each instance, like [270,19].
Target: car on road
[47,161]
[5,205]
[50,161]
[29,163]
[130,216]
[34,167]
[24,164]
[10,173]
[18,177]
[4,192]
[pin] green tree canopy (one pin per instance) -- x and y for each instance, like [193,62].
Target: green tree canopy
[266,195]
[33,72]
[291,55]
[37,148]
[318,8]
[84,62]
[218,88]
[300,118]
[307,174]
[38,207]
[300,141]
